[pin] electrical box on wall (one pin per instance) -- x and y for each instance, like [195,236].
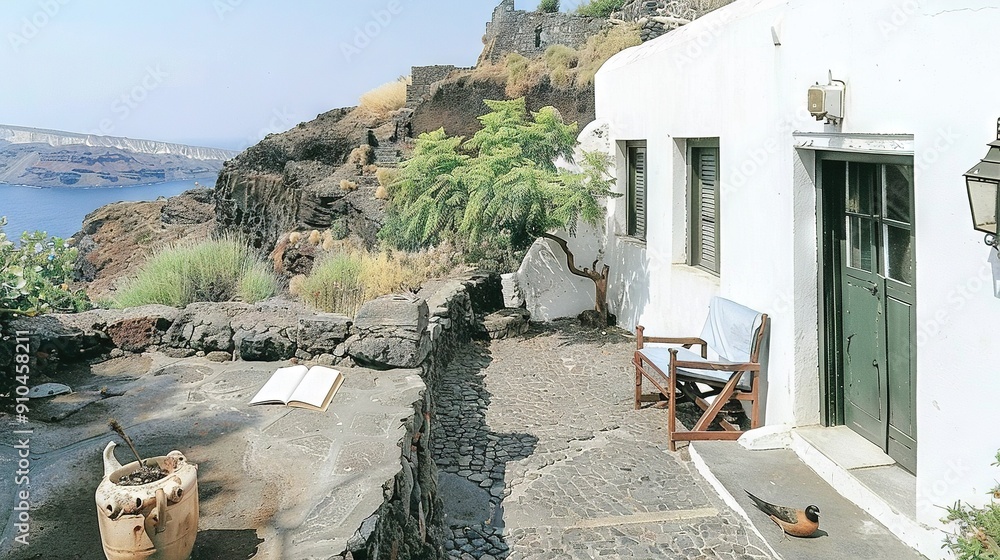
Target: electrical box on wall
[827,101]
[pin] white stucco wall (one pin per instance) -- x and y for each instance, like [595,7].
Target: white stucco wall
[923,68]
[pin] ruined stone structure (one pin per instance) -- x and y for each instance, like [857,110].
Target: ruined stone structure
[421,79]
[530,33]
[657,17]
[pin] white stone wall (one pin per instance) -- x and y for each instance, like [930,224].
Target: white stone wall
[912,67]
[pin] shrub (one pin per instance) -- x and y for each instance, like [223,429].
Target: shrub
[561,60]
[522,74]
[34,275]
[549,6]
[599,48]
[221,269]
[600,8]
[563,65]
[978,528]
[386,176]
[334,285]
[360,156]
[351,275]
[386,98]
[346,185]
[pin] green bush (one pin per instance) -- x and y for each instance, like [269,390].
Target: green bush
[34,275]
[549,6]
[222,269]
[978,528]
[600,8]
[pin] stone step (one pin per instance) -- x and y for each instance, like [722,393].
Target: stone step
[388,156]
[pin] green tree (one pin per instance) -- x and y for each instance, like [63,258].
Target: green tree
[504,192]
[34,275]
[600,8]
[549,6]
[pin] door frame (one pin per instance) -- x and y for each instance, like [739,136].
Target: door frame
[829,282]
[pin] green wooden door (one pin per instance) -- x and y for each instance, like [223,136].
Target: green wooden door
[876,300]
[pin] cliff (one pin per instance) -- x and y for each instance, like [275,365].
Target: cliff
[51,158]
[295,180]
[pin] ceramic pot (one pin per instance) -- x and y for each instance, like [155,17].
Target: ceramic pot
[156,521]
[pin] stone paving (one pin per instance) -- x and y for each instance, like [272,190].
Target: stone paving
[543,457]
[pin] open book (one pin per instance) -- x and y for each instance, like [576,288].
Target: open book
[311,388]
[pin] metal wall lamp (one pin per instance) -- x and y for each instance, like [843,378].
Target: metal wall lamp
[983,182]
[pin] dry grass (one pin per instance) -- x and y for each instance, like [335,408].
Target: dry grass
[386,176]
[349,275]
[599,48]
[386,98]
[348,186]
[361,156]
[564,65]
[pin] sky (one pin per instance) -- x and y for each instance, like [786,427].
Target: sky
[219,73]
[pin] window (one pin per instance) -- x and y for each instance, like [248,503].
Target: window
[636,220]
[703,218]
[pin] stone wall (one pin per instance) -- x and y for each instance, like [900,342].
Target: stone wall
[660,16]
[422,77]
[393,332]
[530,33]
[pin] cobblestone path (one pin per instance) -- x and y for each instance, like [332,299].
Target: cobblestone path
[543,457]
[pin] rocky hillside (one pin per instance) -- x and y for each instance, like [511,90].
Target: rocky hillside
[118,237]
[51,158]
[456,103]
[301,179]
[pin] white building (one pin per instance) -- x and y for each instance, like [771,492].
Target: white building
[855,237]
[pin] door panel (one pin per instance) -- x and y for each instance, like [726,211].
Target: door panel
[863,376]
[874,300]
[902,382]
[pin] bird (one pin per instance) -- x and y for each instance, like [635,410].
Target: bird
[795,522]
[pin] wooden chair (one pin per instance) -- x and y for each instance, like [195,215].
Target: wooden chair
[734,333]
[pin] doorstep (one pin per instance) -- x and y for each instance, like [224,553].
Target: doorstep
[778,475]
[862,473]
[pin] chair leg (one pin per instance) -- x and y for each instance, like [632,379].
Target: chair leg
[672,410]
[638,384]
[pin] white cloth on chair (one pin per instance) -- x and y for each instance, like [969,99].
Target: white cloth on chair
[731,329]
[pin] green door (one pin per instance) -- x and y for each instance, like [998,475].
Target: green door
[875,302]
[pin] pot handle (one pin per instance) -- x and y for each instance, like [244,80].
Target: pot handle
[111,463]
[160,521]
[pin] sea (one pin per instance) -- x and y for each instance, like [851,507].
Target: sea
[59,211]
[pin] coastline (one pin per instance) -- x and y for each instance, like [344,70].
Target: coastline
[213,177]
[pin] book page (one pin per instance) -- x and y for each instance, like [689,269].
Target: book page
[280,386]
[317,388]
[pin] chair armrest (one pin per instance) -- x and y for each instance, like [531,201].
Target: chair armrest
[718,366]
[686,342]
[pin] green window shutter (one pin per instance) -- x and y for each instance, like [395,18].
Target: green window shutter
[704,217]
[637,191]
[708,165]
